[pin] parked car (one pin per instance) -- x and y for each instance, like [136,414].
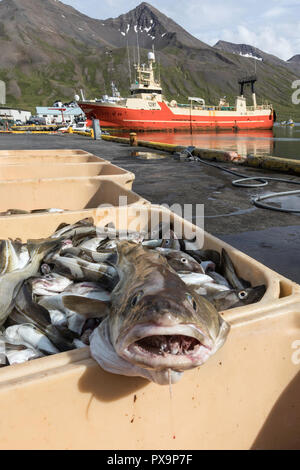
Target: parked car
[37,121]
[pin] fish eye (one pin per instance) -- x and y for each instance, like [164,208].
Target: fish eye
[184,260]
[242,295]
[192,301]
[136,298]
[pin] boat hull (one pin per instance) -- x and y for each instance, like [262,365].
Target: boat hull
[168,119]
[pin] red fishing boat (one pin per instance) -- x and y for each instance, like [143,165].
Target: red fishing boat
[146,109]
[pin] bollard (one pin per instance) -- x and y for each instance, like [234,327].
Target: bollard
[70,130]
[133,139]
[96,129]
[92,134]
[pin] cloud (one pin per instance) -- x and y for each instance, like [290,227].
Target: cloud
[264,38]
[274,12]
[272,25]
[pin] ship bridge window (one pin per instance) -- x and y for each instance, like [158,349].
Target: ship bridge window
[137,92]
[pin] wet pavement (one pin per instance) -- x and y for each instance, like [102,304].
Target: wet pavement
[268,236]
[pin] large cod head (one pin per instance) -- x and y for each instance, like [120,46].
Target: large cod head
[156,322]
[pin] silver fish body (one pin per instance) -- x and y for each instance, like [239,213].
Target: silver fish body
[10,283]
[236,298]
[181,262]
[16,356]
[49,284]
[31,337]
[80,270]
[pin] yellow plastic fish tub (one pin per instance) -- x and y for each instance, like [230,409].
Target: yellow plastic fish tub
[246,396]
[69,194]
[106,171]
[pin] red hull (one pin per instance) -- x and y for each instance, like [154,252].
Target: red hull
[165,119]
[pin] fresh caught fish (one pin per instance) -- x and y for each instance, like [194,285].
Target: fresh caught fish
[73,315]
[90,255]
[31,337]
[152,243]
[181,262]
[83,227]
[88,329]
[233,298]
[195,279]
[85,288]
[58,312]
[13,255]
[229,272]
[49,284]
[204,255]
[10,283]
[91,244]
[15,356]
[28,311]
[79,270]
[58,318]
[219,279]
[157,326]
[147,308]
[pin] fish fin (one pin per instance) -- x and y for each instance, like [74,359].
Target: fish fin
[61,226]
[89,308]
[42,246]
[88,221]
[223,333]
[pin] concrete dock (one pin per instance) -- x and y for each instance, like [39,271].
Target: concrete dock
[268,236]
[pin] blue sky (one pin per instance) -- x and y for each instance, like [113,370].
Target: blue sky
[271,25]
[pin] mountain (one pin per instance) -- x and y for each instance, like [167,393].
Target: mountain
[150,24]
[50,51]
[245,50]
[295,59]
[294,62]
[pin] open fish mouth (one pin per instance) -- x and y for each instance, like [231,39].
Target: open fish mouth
[180,347]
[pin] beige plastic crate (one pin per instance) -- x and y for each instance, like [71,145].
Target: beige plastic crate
[106,171]
[42,152]
[49,159]
[246,396]
[73,194]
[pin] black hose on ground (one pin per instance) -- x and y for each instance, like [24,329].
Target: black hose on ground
[262,181]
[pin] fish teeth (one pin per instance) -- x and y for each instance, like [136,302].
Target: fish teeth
[175,349]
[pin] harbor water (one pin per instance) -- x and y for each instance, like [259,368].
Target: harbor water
[282,141]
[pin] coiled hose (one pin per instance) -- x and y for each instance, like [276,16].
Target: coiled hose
[261,181]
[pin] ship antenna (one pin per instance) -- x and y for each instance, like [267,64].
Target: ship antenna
[138,47]
[129,66]
[159,68]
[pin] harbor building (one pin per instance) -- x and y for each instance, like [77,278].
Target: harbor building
[14,114]
[60,113]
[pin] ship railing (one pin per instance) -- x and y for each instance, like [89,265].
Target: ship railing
[207,108]
[259,107]
[224,108]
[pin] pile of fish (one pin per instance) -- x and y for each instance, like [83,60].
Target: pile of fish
[146,306]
